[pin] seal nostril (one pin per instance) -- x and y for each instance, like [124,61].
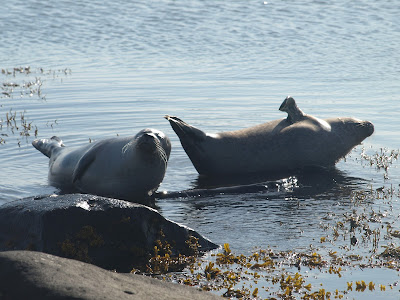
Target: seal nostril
[129,292]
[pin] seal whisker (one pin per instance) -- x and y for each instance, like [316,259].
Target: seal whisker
[162,154]
[127,147]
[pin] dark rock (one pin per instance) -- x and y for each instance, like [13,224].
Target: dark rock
[110,233]
[36,275]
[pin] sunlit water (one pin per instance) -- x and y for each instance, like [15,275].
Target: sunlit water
[113,68]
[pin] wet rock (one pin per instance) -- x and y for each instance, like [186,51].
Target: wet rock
[36,275]
[110,233]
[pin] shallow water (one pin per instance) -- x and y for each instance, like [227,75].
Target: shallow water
[115,68]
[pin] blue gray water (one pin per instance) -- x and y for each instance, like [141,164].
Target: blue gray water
[115,67]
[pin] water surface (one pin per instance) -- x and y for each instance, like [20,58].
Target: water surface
[113,68]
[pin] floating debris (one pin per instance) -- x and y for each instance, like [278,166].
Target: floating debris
[21,82]
[19,125]
[391,252]
[362,239]
[382,159]
[240,276]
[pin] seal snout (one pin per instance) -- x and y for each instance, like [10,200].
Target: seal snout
[369,127]
[147,141]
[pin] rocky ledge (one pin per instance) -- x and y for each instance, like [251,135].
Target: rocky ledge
[36,275]
[112,234]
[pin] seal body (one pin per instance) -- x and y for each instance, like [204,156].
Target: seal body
[287,144]
[121,167]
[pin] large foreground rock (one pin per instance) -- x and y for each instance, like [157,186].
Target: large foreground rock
[109,233]
[36,275]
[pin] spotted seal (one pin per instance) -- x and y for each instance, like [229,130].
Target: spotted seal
[120,167]
[296,142]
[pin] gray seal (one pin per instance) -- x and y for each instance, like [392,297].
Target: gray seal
[121,167]
[297,142]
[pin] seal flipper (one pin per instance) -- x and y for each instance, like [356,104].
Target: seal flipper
[193,142]
[86,160]
[47,146]
[182,129]
[295,114]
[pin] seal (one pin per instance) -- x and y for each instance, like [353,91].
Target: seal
[121,167]
[297,142]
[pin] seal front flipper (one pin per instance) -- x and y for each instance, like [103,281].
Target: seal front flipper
[184,130]
[295,114]
[48,146]
[85,161]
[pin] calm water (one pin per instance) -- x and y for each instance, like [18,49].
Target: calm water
[115,68]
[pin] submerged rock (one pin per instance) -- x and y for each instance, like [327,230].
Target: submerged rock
[110,233]
[36,275]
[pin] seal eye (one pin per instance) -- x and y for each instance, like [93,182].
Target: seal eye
[152,132]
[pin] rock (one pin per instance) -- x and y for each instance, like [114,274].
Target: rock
[36,275]
[110,233]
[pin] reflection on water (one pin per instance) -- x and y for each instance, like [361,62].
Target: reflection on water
[285,212]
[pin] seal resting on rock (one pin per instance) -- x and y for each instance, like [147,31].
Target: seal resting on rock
[296,142]
[121,167]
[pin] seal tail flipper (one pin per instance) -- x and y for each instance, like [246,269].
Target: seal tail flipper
[184,130]
[47,146]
